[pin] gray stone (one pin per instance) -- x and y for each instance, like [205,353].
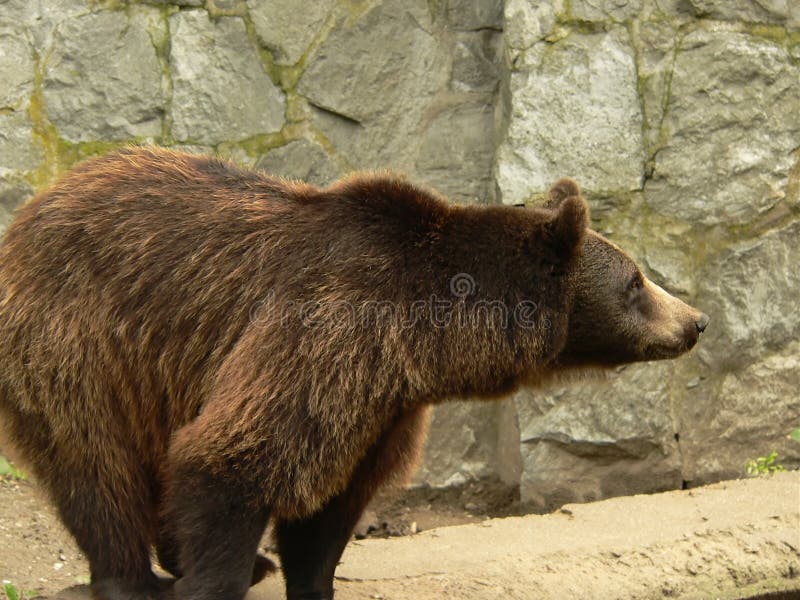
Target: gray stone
[19,150]
[302,160]
[669,264]
[793,22]
[344,135]
[337,81]
[656,57]
[18,10]
[750,291]
[226,8]
[461,444]
[236,154]
[748,415]
[179,2]
[754,11]
[528,22]
[13,192]
[16,71]
[373,110]
[38,19]
[475,14]
[103,79]
[457,153]
[193,149]
[731,125]
[221,91]
[574,112]
[605,10]
[284,29]
[595,439]
[476,62]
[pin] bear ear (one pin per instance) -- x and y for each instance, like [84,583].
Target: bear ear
[562,189]
[568,225]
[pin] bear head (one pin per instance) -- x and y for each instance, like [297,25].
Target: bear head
[618,315]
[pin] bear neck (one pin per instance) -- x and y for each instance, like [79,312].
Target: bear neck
[509,298]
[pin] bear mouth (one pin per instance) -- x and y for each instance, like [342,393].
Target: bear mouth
[662,351]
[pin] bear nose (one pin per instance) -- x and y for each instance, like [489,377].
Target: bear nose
[702,322]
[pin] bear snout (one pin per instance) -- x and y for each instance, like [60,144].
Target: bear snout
[702,322]
[693,329]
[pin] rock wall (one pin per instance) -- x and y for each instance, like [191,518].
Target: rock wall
[681,118]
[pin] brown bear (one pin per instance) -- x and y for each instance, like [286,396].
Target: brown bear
[188,349]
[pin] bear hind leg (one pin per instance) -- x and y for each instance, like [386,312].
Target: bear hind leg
[105,505]
[112,527]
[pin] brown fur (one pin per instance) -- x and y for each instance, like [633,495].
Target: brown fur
[184,341]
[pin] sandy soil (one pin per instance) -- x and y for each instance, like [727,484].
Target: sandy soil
[738,539]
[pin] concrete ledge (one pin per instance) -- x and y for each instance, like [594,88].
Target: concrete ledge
[731,540]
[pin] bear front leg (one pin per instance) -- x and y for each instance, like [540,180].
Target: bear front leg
[217,527]
[168,553]
[310,548]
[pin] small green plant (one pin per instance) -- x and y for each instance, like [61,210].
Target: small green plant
[12,592]
[9,471]
[795,434]
[763,465]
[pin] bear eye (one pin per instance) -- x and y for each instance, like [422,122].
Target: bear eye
[636,282]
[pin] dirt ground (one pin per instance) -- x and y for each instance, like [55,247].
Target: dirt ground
[738,539]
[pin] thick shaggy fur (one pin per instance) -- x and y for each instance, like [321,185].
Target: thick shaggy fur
[189,349]
[173,351]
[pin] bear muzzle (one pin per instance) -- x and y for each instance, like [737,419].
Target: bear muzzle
[676,325]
